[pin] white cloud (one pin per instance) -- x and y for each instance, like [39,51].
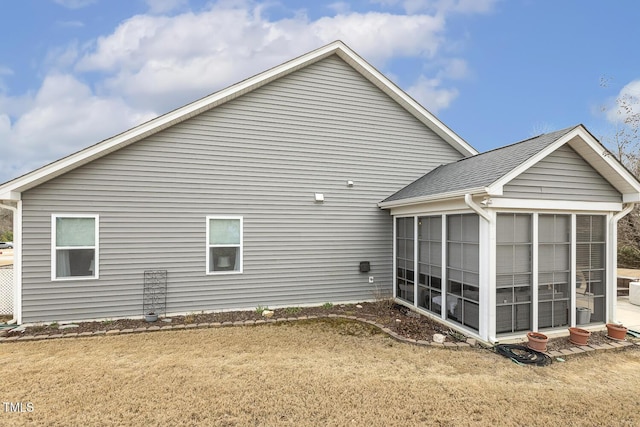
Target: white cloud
[626,105]
[4,71]
[440,6]
[74,4]
[431,94]
[152,63]
[164,6]
[159,62]
[340,7]
[63,117]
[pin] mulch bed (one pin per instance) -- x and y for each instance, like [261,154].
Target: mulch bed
[393,316]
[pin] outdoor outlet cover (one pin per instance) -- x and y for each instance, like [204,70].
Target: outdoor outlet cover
[370,279]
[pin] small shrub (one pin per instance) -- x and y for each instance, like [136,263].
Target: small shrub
[54,325]
[190,318]
[327,305]
[628,257]
[292,310]
[260,309]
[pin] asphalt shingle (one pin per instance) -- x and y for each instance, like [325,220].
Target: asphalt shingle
[477,171]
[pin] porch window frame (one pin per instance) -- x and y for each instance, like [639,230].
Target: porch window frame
[572,214]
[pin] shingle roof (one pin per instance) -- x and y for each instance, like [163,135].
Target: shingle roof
[477,171]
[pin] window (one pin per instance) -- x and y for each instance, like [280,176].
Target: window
[430,263]
[224,245]
[74,246]
[404,258]
[513,272]
[554,270]
[463,280]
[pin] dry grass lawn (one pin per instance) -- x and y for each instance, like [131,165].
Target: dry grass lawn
[333,373]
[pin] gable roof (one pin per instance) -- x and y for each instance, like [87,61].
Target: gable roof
[11,190]
[487,173]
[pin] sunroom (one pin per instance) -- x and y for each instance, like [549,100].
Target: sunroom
[517,239]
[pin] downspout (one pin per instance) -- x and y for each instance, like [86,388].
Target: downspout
[489,297]
[613,230]
[477,208]
[14,210]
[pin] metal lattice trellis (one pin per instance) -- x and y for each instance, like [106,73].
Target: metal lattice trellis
[6,290]
[154,299]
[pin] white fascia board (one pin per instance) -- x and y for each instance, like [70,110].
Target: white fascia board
[10,195]
[431,198]
[605,163]
[631,198]
[432,208]
[402,98]
[555,205]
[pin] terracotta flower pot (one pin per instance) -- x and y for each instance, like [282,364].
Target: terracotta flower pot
[537,341]
[578,336]
[616,332]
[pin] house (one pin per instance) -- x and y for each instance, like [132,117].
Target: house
[305,184]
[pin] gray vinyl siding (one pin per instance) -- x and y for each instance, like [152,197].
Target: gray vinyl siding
[262,156]
[563,175]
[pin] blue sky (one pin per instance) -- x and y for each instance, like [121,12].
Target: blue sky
[74,72]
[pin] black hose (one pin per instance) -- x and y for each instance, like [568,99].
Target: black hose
[523,355]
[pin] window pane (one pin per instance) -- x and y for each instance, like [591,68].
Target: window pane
[435,230]
[225,258]
[590,266]
[75,262]
[522,259]
[505,259]
[504,232]
[562,256]
[470,228]
[522,232]
[408,228]
[470,257]
[424,251]
[435,256]
[598,230]
[224,231]
[75,232]
[455,255]
[562,228]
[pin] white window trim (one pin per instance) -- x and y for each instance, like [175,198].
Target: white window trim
[96,248]
[209,246]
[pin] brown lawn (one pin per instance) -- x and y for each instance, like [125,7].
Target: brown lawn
[320,373]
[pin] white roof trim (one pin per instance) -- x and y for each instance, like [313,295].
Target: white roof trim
[592,152]
[556,205]
[11,189]
[431,198]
